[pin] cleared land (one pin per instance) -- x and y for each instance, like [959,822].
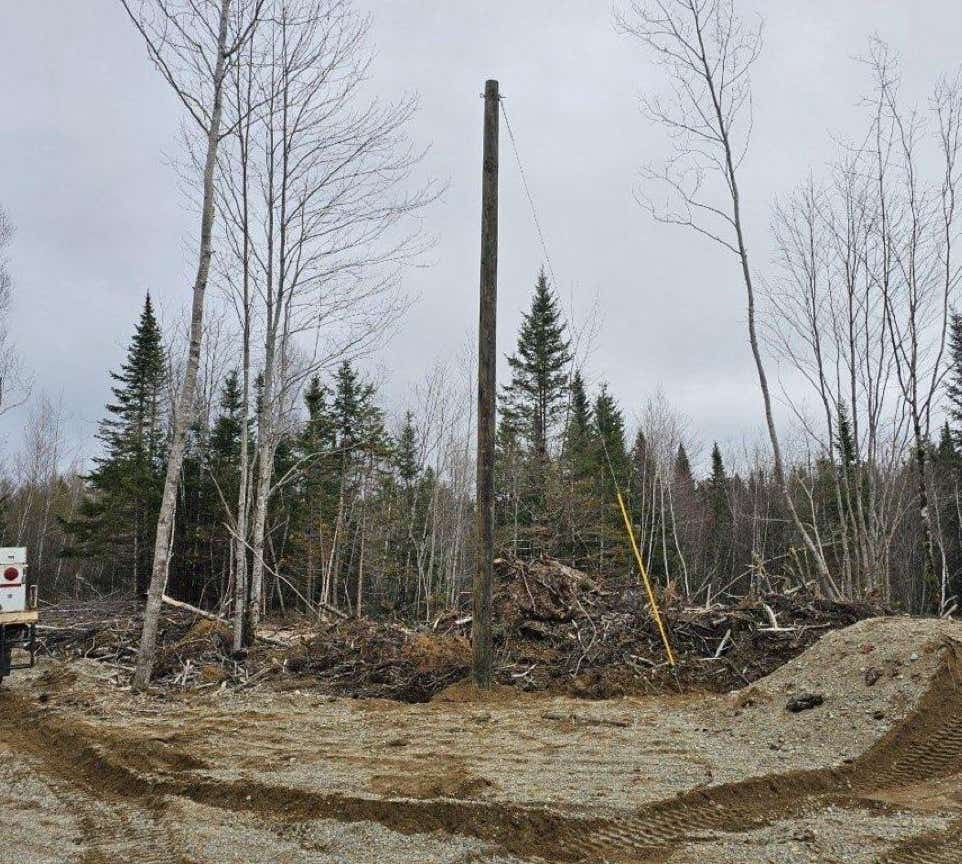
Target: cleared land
[92,774]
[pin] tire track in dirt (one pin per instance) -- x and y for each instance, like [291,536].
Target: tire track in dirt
[129,770]
[114,829]
[935,847]
[925,746]
[128,836]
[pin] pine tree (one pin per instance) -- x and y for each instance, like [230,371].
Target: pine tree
[536,396]
[117,519]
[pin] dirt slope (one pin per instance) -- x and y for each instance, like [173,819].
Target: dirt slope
[870,774]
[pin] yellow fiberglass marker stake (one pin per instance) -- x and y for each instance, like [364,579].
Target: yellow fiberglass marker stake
[644,575]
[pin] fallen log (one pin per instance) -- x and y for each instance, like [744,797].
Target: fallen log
[210,616]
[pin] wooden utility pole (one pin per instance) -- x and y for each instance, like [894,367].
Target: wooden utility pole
[481,638]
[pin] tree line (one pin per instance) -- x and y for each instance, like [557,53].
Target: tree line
[373,514]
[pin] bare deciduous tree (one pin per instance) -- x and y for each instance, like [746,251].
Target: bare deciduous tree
[917,273]
[825,317]
[317,210]
[14,382]
[193,44]
[708,52]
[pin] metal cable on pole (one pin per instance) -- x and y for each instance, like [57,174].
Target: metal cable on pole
[527,192]
[643,571]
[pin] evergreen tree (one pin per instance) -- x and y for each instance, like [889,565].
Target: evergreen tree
[210,481]
[718,487]
[406,453]
[314,498]
[609,434]
[319,437]
[225,436]
[579,430]
[357,421]
[845,442]
[610,458]
[510,492]
[947,454]
[361,442]
[718,493]
[643,473]
[641,456]
[954,382]
[117,520]
[536,396]
[682,467]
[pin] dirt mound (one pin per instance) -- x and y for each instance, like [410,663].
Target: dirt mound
[467,692]
[893,656]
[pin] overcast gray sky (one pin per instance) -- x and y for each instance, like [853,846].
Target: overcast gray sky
[87,129]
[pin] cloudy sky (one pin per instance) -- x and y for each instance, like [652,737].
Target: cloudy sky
[87,132]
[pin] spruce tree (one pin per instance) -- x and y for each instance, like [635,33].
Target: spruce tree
[845,442]
[117,519]
[954,382]
[406,453]
[578,433]
[609,434]
[643,459]
[610,458]
[225,436]
[319,437]
[357,421]
[314,499]
[947,453]
[509,482]
[718,487]
[682,467]
[536,396]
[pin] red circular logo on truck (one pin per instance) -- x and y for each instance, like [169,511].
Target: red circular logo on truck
[11,573]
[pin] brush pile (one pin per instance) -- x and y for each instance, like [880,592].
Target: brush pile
[556,629]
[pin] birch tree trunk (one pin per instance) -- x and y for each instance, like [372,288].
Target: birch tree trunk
[158,578]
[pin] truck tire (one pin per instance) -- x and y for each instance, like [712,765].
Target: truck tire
[5,661]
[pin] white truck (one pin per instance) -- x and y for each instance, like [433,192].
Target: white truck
[18,611]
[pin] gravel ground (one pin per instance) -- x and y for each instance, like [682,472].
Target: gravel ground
[261,776]
[830,836]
